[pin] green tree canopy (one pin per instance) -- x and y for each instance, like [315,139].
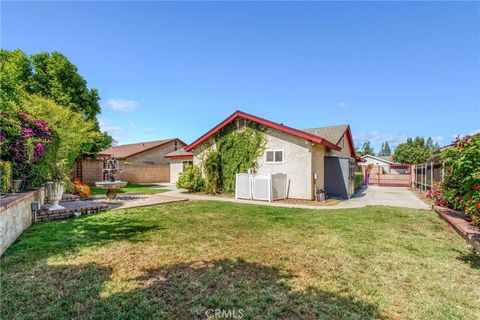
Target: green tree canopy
[414,151]
[367,149]
[385,150]
[50,76]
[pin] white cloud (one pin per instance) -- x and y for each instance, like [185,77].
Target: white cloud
[437,139]
[119,105]
[376,138]
[341,104]
[116,132]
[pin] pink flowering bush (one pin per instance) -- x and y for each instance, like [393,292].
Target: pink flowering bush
[461,186]
[23,140]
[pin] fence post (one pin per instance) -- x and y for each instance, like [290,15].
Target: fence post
[422,176]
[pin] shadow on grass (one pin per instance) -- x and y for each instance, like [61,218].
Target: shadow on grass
[179,291]
[45,239]
[472,258]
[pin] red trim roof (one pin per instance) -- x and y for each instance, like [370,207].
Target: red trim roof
[267,123]
[183,156]
[348,132]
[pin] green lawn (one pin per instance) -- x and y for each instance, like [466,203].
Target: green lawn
[131,188]
[178,260]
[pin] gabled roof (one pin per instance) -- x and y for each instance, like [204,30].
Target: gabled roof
[267,123]
[335,134]
[179,154]
[128,150]
[386,158]
[331,133]
[378,158]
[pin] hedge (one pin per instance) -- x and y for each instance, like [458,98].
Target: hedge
[358,180]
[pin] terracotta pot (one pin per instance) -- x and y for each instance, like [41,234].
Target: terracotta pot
[54,193]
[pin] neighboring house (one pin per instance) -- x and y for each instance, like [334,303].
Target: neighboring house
[384,165]
[139,162]
[178,159]
[377,160]
[316,158]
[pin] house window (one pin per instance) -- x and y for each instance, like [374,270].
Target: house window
[274,156]
[185,164]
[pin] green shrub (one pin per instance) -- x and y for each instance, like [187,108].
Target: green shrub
[5,176]
[191,179]
[212,168]
[239,151]
[358,180]
[461,185]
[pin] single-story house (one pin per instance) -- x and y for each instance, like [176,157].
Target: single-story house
[377,160]
[141,162]
[383,164]
[313,159]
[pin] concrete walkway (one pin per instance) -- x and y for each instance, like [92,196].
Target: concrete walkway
[367,196]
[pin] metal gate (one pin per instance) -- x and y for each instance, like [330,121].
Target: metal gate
[391,175]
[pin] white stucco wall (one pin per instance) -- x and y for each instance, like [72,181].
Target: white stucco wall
[374,161]
[297,162]
[318,164]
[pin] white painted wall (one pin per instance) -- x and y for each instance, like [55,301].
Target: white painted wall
[318,165]
[369,160]
[297,162]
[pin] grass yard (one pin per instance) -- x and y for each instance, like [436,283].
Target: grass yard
[131,188]
[178,260]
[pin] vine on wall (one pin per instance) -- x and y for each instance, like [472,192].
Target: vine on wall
[236,151]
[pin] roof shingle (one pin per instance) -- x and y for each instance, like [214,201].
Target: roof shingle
[330,133]
[128,150]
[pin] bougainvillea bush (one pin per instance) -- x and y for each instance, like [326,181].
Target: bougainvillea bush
[460,188]
[23,140]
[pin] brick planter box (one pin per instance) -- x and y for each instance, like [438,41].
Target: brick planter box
[72,209]
[457,220]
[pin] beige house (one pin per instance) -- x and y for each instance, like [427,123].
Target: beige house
[313,159]
[141,162]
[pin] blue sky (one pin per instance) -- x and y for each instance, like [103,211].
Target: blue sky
[175,69]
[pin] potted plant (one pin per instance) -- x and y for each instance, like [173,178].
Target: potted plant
[58,175]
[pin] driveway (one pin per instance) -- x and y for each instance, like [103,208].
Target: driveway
[384,196]
[367,196]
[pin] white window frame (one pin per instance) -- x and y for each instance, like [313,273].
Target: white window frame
[275,162]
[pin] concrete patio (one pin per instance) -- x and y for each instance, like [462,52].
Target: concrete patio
[366,196]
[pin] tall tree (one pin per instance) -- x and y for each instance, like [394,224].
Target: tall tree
[51,76]
[414,151]
[367,148]
[429,144]
[385,150]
